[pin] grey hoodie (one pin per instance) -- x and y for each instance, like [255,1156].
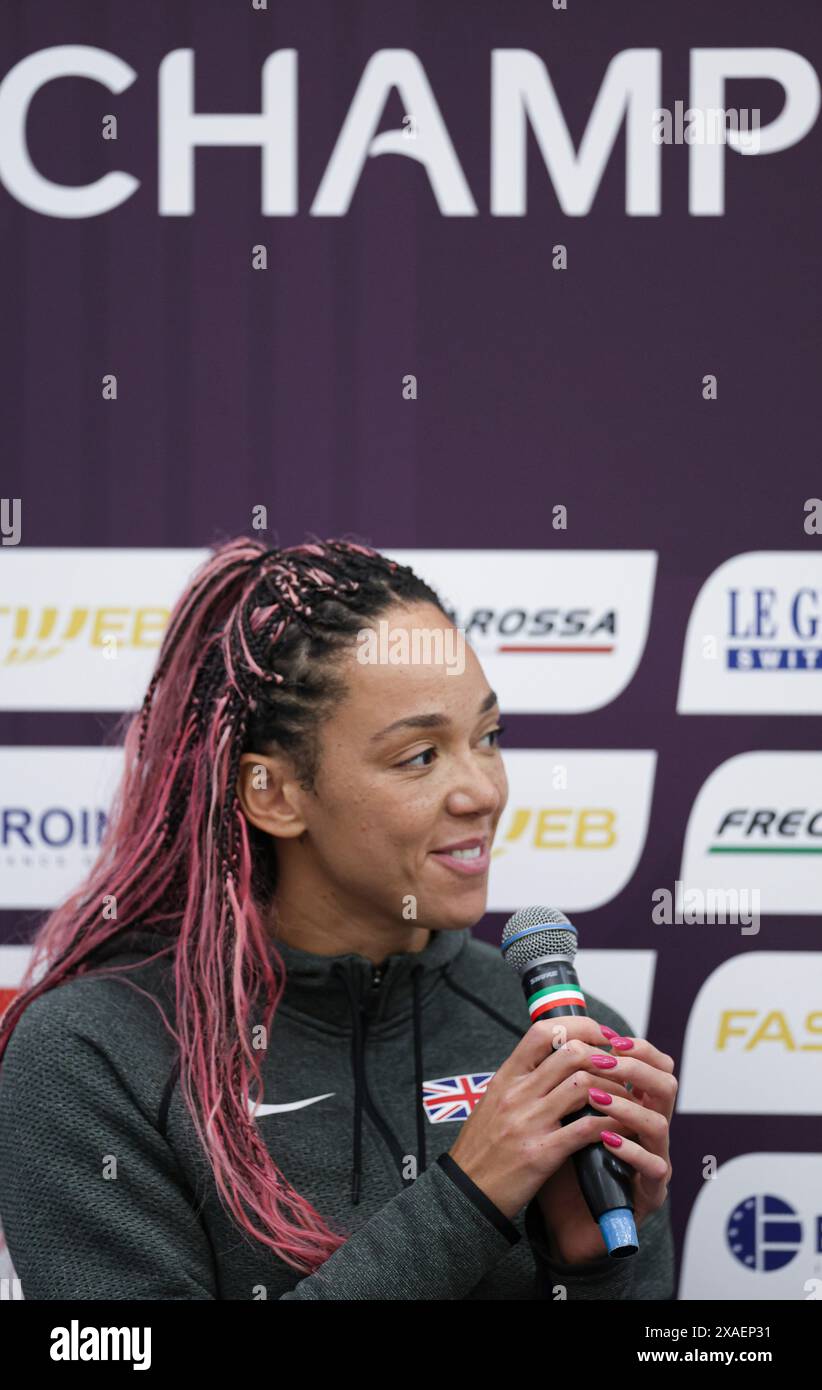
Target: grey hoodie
[359,1074]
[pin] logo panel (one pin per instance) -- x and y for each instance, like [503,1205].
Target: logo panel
[555,631]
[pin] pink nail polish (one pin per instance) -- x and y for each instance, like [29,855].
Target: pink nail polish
[601,1097]
[622,1044]
[609,1032]
[614,1139]
[600,1060]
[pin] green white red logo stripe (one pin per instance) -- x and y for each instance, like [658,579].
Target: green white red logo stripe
[554,996]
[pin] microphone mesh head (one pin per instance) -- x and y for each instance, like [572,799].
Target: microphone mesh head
[534,932]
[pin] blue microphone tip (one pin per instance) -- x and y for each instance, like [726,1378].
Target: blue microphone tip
[619,1231]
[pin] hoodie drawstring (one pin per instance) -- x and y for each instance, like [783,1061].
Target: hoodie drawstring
[415,982]
[357,1067]
[358,1063]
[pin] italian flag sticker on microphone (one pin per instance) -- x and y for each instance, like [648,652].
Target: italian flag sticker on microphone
[550,997]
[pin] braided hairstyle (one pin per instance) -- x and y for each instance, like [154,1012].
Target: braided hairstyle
[249,663]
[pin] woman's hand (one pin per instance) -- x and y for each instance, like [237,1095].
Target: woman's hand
[641,1117]
[514,1139]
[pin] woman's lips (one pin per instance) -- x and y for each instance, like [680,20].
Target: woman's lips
[478,865]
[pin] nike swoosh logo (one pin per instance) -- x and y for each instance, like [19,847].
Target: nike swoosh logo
[288,1105]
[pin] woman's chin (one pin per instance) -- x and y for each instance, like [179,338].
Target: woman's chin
[465,912]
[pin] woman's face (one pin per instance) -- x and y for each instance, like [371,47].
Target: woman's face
[387,800]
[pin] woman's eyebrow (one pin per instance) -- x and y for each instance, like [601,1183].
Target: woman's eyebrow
[430,721]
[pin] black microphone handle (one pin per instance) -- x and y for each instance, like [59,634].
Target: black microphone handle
[606,1181]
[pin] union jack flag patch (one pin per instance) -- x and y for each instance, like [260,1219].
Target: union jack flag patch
[453,1097]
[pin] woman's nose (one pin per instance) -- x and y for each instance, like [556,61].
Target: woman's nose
[476,790]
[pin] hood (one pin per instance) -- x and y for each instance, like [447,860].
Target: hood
[348,992]
[329,987]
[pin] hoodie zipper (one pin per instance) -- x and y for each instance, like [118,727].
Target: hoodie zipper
[368,1104]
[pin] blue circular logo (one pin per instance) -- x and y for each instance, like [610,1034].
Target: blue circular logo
[764,1233]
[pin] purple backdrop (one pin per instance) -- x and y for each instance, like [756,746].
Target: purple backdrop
[535,387]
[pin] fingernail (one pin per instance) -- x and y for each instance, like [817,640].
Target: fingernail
[622,1044]
[609,1032]
[615,1139]
[600,1060]
[601,1097]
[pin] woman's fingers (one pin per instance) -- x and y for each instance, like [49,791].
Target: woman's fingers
[650,1128]
[545,1038]
[565,1140]
[576,1055]
[568,1139]
[572,1093]
[607,1083]
[659,1088]
[641,1048]
[552,1051]
[648,1165]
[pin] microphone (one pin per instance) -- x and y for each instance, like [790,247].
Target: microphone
[540,944]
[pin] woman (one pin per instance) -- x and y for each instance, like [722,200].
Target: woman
[241,1071]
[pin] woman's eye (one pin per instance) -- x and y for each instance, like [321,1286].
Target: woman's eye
[409,762]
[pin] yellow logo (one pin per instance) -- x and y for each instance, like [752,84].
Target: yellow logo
[772,1027]
[38,634]
[561,827]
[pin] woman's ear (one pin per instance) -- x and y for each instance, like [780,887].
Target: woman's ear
[268,793]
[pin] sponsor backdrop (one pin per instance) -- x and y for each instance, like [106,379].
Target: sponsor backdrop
[467,311]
